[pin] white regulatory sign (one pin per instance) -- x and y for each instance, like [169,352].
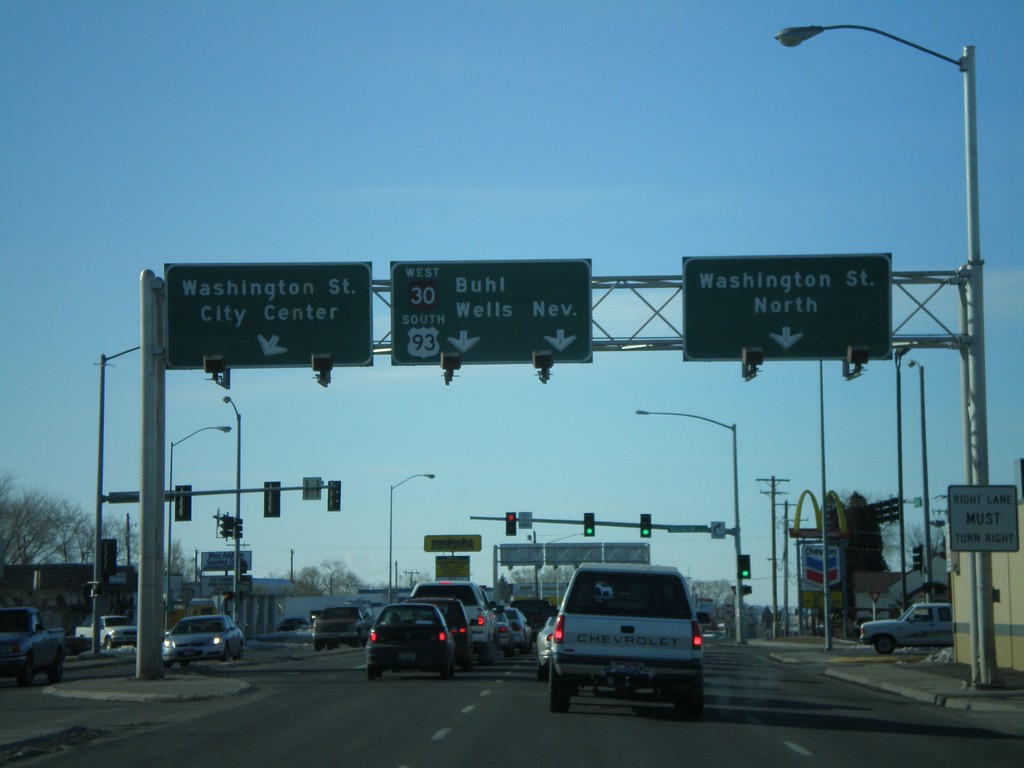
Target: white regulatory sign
[983,518]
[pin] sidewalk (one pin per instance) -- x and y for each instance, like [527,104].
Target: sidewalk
[911,675]
[175,686]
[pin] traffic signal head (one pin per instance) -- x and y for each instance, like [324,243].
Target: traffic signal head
[108,563]
[183,504]
[645,526]
[227,526]
[510,523]
[588,524]
[919,557]
[272,499]
[334,495]
[743,566]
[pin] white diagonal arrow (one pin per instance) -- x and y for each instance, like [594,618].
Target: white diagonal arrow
[269,346]
[560,341]
[463,343]
[786,339]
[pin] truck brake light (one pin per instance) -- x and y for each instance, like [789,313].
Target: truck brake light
[559,634]
[698,640]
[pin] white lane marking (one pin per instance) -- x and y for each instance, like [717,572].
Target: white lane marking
[797,748]
[485,693]
[467,710]
[441,734]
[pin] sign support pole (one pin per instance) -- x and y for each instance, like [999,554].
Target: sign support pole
[148,657]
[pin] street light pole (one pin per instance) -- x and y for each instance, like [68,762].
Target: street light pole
[97,572]
[924,486]
[391,527]
[736,509]
[235,585]
[170,519]
[972,351]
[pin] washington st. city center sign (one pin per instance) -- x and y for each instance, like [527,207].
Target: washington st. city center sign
[269,315]
[789,307]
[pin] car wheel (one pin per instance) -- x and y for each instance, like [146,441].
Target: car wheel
[372,672]
[691,702]
[466,665]
[558,692]
[542,672]
[448,670]
[56,672]
[317,645]
[107,643]
[885,644]
[27,673]
[241,650]
[168,664]
[510,652]
[182,664]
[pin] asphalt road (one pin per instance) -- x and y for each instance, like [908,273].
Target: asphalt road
[318,709]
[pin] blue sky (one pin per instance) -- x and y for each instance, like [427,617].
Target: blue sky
[632,134]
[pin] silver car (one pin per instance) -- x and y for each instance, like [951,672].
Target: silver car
[544,647]
[196,638]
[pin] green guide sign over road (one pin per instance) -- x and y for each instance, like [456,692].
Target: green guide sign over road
[490,311]
[268,315]
[790,307]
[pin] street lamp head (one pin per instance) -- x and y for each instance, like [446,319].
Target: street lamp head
[226,399]
[643,413]
[793,36]
[224,429]
[430,477]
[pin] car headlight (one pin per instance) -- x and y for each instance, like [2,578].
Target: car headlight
[168,643]
[217,640]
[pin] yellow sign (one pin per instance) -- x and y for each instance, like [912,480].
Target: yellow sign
[809,599]
[455,567]
[469,542]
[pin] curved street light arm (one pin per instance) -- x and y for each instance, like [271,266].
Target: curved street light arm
[793,36]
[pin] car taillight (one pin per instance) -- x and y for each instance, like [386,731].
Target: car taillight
[442,636]
[373,636]
[698,641]
[481,620]
[559,633]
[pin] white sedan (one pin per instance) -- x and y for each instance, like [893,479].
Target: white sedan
[196,638]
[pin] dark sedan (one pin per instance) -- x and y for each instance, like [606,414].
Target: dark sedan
[410,636]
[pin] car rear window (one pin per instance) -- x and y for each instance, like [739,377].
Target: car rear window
[340,613]
[463,593]
[629,594]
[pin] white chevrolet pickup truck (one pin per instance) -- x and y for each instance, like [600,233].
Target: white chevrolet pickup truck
[925,624]
[627,628]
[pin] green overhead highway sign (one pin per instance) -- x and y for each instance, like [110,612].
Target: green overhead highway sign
[268,315]
[491,311]
[789,307]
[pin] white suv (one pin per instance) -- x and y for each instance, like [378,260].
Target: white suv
[478,611]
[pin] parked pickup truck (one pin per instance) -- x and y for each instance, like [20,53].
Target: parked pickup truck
[115,631]
[627,628]
[339,624]
[27,646]
[925,624]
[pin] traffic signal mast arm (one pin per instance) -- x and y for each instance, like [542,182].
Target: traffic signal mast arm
[132,497]
[670,528]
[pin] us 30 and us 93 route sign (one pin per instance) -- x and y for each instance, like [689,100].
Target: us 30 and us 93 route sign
[268,315]
[491,311]
[789,307]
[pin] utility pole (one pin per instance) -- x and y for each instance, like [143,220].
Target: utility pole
[785,567]
[773,490]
